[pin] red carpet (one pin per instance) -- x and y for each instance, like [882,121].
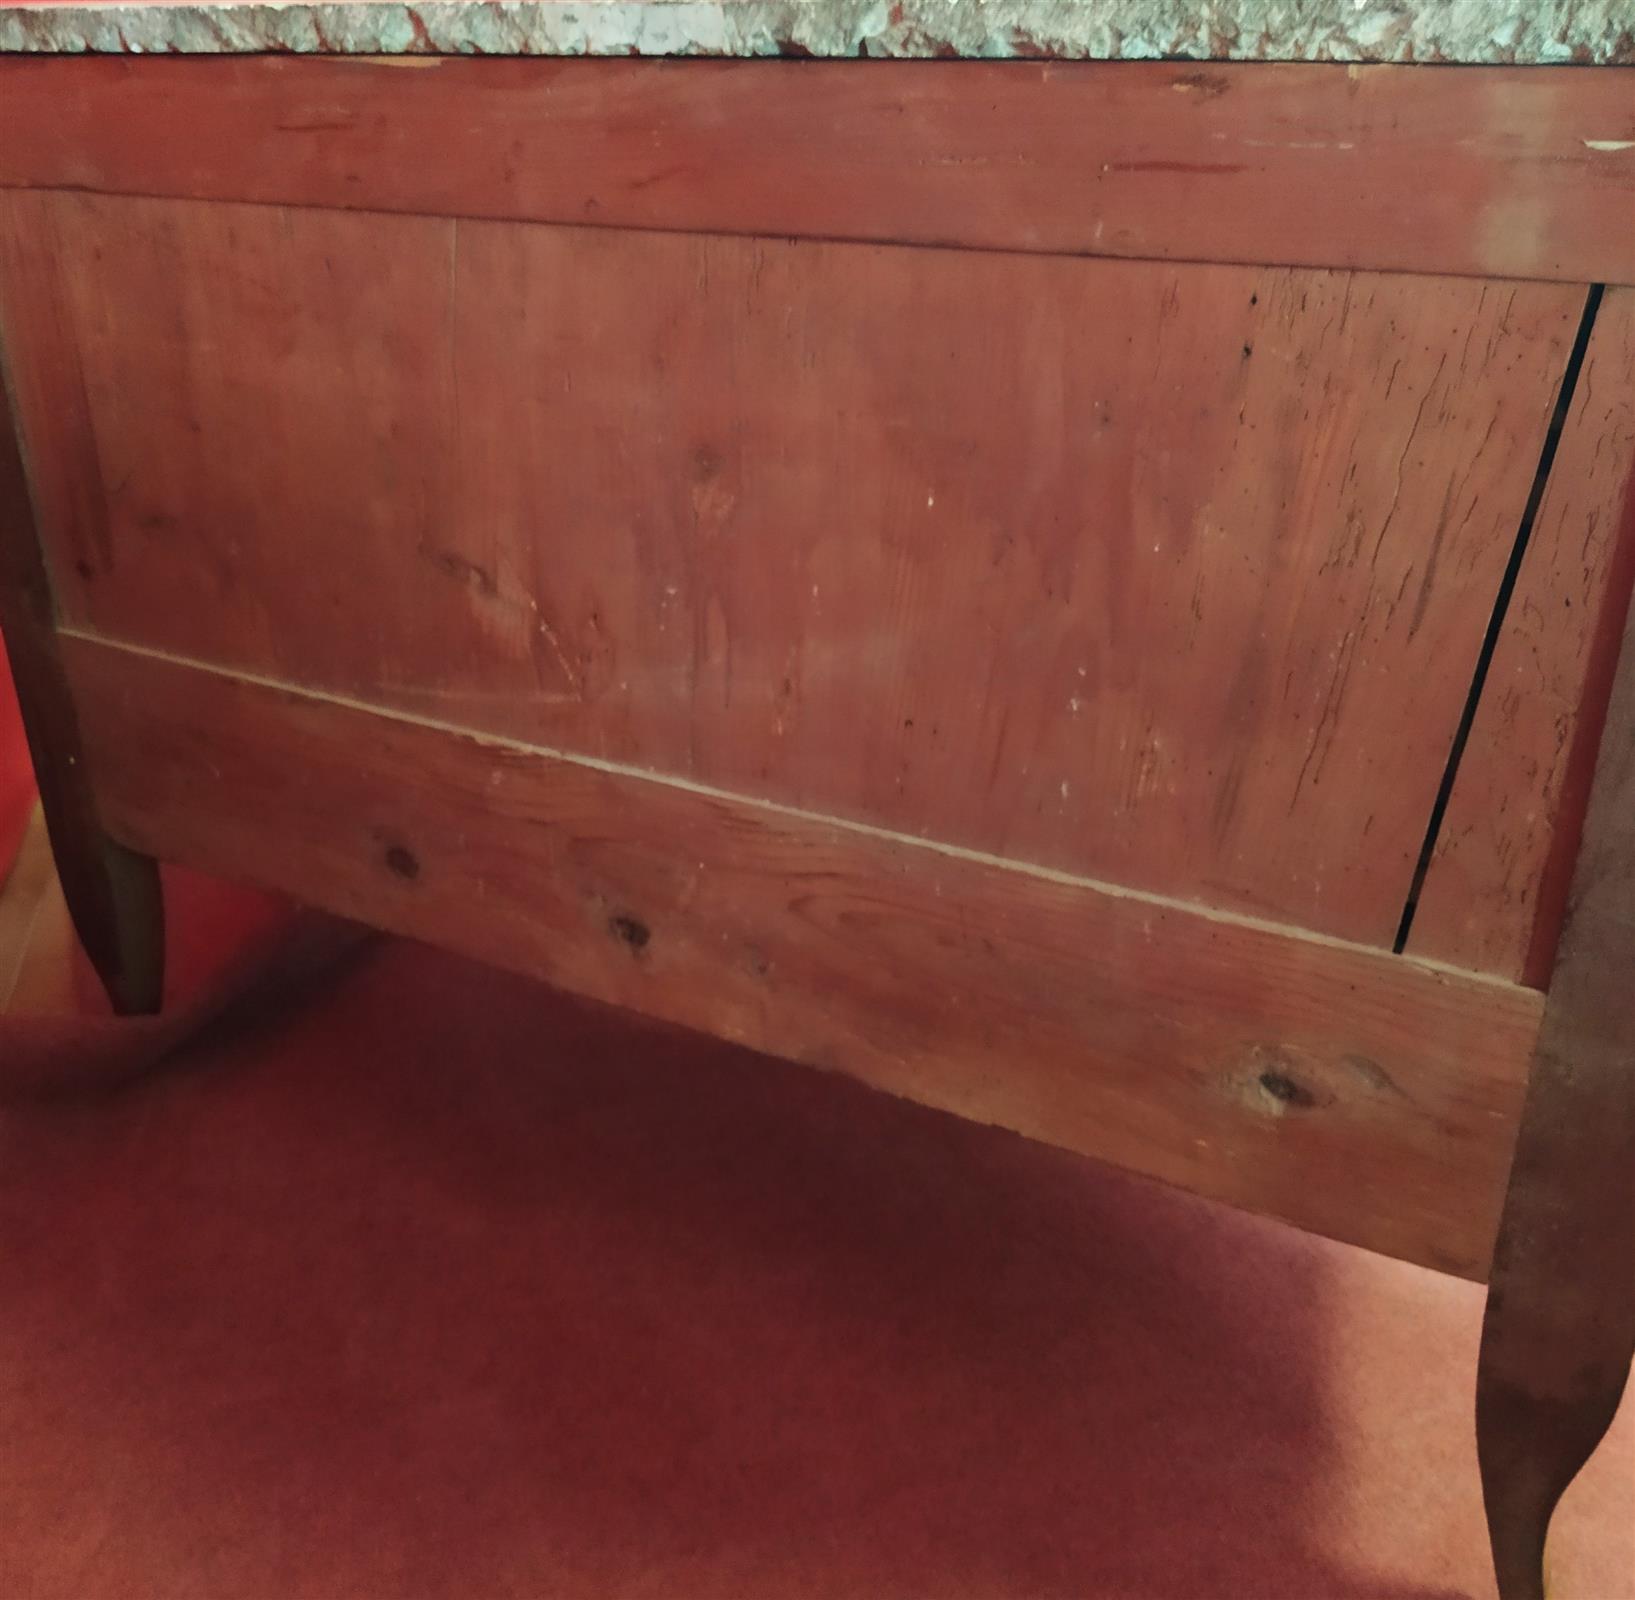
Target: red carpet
[436,1284]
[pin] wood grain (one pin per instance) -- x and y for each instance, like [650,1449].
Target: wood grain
[1559,1333]
[1495,893]
[1347,1090]
[1526,173]
[1168,575]
[112,894]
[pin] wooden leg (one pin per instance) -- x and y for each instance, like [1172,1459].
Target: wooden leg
[1548,1384]
[1559,1333]
[112,893]
[123,933]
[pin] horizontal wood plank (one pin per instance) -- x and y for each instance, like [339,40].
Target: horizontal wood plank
[1526,173]
[1349,1091]
[1167,575]
[1495,893]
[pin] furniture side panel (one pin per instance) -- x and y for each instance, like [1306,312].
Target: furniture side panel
[1168,575]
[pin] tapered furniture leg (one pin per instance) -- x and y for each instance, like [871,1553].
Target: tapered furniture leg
[1559,1332]
[112,893]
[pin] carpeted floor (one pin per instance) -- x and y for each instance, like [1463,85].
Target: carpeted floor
[437,1284]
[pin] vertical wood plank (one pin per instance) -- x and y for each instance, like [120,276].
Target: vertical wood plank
[1494,894]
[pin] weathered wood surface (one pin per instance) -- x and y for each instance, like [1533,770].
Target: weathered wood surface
[1492,172]
[112,893]
[1173,576]
[1350,1091]
[1559,1333]
[1494,895]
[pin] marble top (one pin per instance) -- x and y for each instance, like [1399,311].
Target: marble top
[1516,32]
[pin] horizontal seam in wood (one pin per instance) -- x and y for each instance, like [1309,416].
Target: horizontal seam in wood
[859,241]
[1216,914]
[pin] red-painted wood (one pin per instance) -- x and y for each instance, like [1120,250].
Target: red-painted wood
[1174,576]
[1347,1090]
[1499,172]
[1495,893]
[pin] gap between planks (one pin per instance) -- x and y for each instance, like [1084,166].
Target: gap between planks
[1560,414]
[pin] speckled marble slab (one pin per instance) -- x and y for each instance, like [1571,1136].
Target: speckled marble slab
[1476,31]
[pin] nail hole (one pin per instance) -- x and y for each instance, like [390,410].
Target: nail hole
[1284,1088]
[402,862]
[634,933]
